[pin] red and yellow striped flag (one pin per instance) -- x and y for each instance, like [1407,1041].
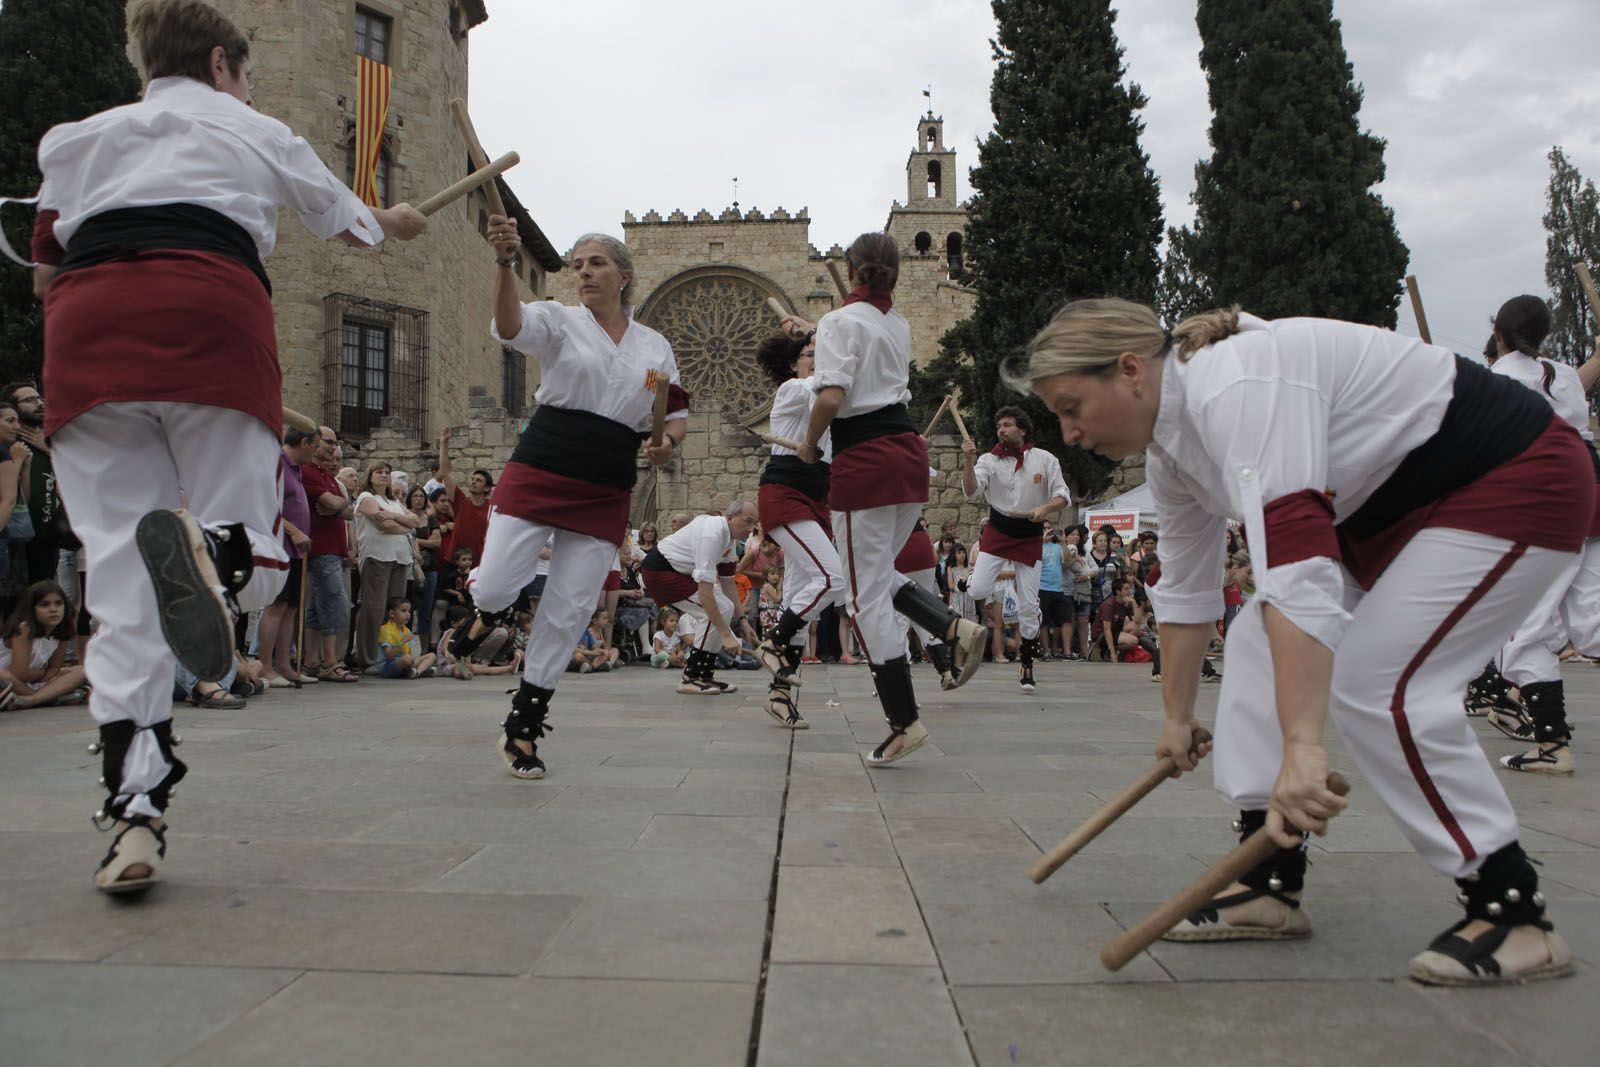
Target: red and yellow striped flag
[372,111]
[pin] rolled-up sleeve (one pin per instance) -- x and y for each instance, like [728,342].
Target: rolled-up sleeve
[680,409]
[1275,434]
[982,470]
[836,361]
[1058,483]
[540,333]
[325,204]
[709,549]
[1188,584]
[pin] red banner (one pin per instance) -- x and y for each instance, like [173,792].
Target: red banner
[372,111]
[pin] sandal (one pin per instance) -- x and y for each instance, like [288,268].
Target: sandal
[1207,924]
[1452,960]
[8,696]
[337,674]
[76,698]
[137,842]
[216,700]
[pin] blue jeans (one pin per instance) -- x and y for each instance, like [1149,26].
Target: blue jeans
[187,681]
[429,590]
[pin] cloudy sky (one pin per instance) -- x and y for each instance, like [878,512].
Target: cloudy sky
[629,105]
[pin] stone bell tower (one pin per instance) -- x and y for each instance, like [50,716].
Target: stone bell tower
[931,221]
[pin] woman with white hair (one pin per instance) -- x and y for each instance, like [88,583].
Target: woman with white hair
[1403,506]
[569,481]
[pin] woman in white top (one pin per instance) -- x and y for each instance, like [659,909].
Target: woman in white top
[879,484]
[569,482]
[793,500]
[383,557]
[1401,503]
[1571,608]
[162,370]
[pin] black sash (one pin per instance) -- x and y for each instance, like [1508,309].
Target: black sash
[884,422]
[808,478]
[581,445]
[124,232]
[1491,420]
[655,561]
[1011,527]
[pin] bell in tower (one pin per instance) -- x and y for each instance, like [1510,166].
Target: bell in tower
[931,171]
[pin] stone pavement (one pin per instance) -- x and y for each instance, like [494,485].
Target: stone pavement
[355,879]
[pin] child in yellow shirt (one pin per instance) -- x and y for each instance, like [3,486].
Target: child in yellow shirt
[399,648]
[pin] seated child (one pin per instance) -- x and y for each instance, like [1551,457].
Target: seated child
[400,652]
[667,645]
[594,651]
[33,654]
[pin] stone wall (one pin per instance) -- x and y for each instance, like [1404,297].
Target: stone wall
[303,63]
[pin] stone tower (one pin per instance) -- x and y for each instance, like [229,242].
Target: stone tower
[931,221]
[387,342]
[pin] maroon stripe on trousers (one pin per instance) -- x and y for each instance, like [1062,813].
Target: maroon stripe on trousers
[1397,708]
[855,605]
[827,583]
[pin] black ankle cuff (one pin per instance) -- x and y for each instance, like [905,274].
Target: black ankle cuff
[530,707]
[785,628]
[1504,890]
[1283,871]
[1547,706]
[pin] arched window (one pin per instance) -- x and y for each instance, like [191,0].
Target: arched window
[952,251]
[934,183]
[933,137]
[383,178]
[924,241]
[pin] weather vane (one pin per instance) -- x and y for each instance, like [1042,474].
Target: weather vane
[736,194]
[928,92]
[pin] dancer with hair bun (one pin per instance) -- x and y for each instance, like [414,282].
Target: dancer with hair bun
[878,486]
[1401,504]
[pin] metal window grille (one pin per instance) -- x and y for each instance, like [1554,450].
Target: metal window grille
[375,366]
[513,382]
[372,35]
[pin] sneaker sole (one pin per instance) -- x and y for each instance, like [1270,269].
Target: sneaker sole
[195,623]
[505,748]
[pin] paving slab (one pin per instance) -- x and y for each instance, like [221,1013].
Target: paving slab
[829,1014]
[698,940]
[69,1013]
[340,1019]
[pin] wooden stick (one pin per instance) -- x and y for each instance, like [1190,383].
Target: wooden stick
[293,418]
[1114,809]
[1587,281]
[937,415]
[300,637]
[1128,944]
[461,188]
[961,424]
[838,279]
[658,415]
[475,152]
[1416,308]
[777,308]
[782,442]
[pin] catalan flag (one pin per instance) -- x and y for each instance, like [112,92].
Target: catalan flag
[372,111]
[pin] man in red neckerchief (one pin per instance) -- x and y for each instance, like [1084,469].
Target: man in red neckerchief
[1022,485]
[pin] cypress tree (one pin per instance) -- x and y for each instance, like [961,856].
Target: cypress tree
[1065,206]
[1286,221]
[1572,236]
[60,61]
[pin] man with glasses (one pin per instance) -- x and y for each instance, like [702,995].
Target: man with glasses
[44,503]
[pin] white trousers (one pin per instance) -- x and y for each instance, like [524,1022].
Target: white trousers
[578,568]
[116,462]
[986,571]
[1399,676]
[694,621]
[1569,610]
[811,577]
[869,540]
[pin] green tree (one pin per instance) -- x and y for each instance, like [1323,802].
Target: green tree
[1572,236]
[1065,206]
[1286,219]
[60,60]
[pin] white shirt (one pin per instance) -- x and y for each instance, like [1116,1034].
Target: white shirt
[1566,394]
[581,368]
[1011,490]
[867,354]
[791,416]
[188,143]
[1278,408]
[39,658]
[696,549]
[373,543]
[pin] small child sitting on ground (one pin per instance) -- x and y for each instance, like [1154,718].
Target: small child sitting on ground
[594,651]
[400,650]
[667,644]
